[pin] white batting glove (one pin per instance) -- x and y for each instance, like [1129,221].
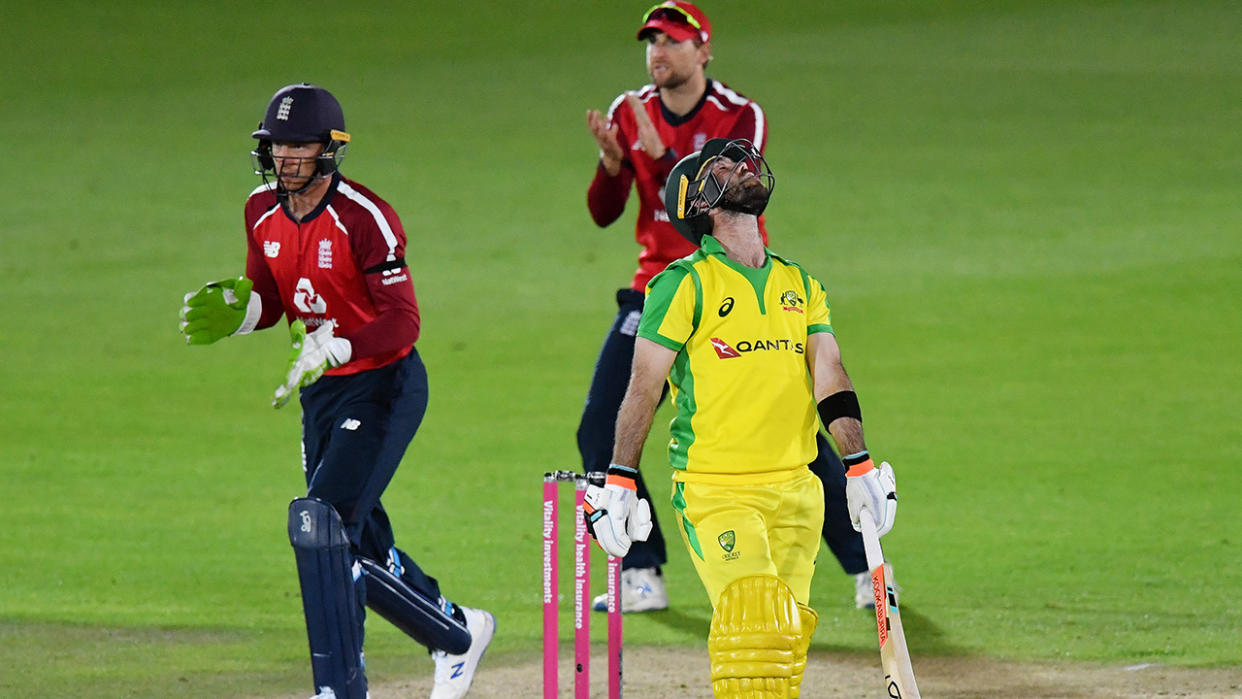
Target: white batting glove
[615,515]
[311,355]
[872,488]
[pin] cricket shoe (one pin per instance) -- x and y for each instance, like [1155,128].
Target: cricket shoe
[642,590]
[454,673]
[864,596]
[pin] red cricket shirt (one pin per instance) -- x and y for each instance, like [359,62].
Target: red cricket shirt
[345,262]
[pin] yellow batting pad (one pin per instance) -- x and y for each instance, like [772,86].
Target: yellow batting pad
[809,621]
[754,638]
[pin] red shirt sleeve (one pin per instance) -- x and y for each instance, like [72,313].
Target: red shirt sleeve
[397,322]
[257,270]
[607,194]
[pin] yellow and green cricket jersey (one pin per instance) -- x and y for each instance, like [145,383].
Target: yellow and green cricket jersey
[740,380]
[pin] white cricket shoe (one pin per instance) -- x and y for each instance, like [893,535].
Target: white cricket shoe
[642,590]
[454,673]
[864,596]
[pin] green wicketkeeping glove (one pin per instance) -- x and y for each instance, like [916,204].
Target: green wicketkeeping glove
[217,310]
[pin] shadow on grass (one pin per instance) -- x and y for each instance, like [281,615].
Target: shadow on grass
[696,626]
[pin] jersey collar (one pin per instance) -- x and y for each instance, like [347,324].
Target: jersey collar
[674,120]
[323,203]
[710,246]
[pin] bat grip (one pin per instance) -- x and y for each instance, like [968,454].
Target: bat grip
[871,542]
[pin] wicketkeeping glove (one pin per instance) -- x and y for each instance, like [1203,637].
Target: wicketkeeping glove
[217,310]
[615,515]
[872,488]
[312,354]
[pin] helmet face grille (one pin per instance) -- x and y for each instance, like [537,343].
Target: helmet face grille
[301,113]
[692,189]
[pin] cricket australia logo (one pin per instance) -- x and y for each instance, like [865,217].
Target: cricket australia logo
[727,540]
[791,302]
[325,254]
[271,248]
[286,104]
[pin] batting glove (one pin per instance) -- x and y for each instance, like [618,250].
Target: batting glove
[615,515]
[872,488]
[218,310]
[312,355]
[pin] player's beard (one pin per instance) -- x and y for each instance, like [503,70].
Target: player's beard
[672,79]
[747,197]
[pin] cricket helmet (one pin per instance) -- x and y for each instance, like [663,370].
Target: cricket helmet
[302,113]
[692,189]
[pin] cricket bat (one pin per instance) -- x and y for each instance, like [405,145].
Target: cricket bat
[895,657]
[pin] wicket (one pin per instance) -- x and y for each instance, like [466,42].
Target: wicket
[582,594]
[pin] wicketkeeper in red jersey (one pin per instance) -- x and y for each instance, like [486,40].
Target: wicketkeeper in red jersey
[329,255]
[641,138]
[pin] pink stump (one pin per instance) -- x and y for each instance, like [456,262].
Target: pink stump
[550,593]
[582,596]
[614,627]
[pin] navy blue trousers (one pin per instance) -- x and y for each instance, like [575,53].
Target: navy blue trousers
[597,431]
[355,429]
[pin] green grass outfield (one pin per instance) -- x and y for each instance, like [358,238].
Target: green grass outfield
[1028,216]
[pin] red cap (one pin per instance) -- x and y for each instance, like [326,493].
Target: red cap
[677,18]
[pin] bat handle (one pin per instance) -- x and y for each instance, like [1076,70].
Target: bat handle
[871,542]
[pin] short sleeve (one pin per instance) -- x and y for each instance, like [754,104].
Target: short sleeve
[818,312]
[671,309]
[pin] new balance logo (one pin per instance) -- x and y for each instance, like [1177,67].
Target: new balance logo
[271,248]
[723,350]
[351,424]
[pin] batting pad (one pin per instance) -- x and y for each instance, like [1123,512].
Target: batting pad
[331,597]
[753,639]
[810,619]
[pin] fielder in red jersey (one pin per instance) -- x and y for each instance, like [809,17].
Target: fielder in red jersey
[640,139]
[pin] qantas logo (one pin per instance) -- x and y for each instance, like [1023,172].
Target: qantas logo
[726,351]
[723,350]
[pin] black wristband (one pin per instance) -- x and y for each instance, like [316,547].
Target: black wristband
[838,405]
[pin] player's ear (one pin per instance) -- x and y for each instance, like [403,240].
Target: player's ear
[705,53]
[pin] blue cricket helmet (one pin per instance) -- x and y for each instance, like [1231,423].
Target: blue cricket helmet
[302,113]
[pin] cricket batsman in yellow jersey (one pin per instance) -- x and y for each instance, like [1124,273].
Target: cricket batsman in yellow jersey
[744,338]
